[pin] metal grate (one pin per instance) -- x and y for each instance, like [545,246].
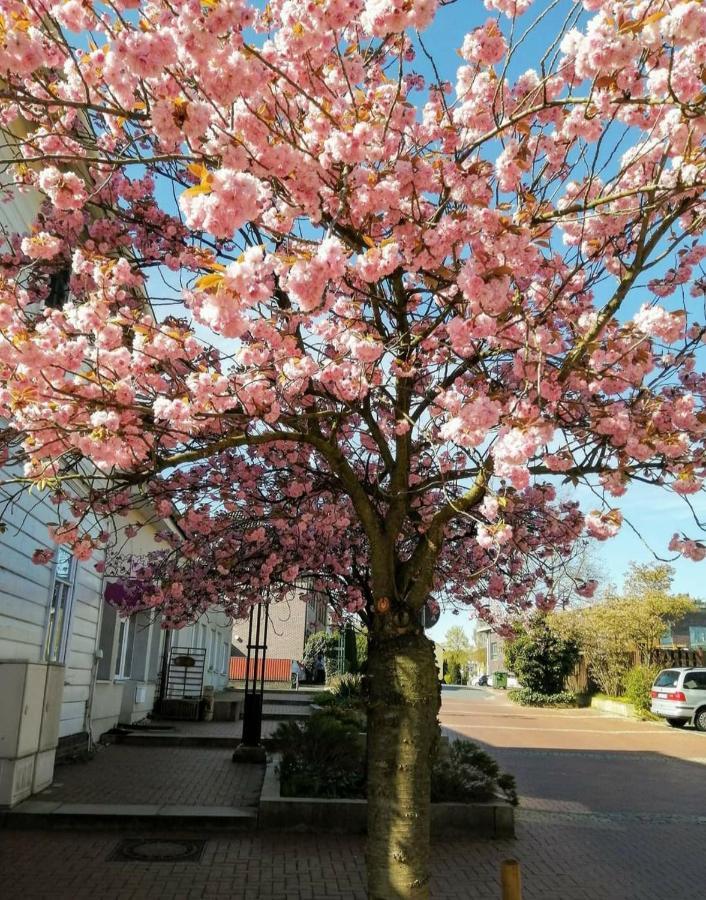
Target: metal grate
[153,850]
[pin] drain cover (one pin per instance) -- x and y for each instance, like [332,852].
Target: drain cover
[158,850]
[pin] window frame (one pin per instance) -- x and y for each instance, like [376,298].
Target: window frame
[121,656]
[53,651]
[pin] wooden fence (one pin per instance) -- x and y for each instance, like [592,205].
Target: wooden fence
[580,681]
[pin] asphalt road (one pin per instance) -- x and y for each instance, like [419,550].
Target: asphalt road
[582,761]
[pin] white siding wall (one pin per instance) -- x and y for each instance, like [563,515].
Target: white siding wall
[25,592]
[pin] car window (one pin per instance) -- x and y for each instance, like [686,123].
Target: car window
[668,678]
[695,681]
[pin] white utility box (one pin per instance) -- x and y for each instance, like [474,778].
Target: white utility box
[29,727]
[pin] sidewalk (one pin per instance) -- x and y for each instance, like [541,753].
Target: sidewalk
[562,857]
[155,787]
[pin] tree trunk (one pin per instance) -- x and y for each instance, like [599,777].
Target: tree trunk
[402,736]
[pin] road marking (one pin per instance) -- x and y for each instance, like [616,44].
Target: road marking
[476,726]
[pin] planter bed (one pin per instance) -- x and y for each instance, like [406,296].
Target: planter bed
[493,819]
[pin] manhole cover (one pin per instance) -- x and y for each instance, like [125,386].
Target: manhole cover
[158,850]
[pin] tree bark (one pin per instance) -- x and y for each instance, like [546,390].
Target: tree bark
[402,735]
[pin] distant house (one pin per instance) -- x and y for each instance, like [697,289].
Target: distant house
[494,645]
[689,632]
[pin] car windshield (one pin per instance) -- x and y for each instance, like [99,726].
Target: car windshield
[668,678]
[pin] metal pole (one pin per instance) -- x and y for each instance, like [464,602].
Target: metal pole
[247,658]
[165,667]
[264,647]
[511,880]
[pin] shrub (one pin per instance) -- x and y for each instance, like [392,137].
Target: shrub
[453,673]
[540,658]
[638,683]
[345,691]
[325,643]
[463,773]
[325,757]
[361,650]
[347,688]
[526,697]
[322,757]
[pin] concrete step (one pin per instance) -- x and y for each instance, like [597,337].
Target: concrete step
[154,739]
[286,700]
[43,814]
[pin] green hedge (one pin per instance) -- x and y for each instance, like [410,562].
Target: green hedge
[526,697]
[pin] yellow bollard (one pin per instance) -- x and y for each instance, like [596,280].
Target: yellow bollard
[511,880]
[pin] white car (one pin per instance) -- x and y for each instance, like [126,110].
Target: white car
[679,696]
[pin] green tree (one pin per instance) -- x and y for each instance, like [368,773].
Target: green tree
[457,654]
[540,657]
[611,631]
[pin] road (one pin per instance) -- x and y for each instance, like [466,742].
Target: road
[621,802]
[581,761]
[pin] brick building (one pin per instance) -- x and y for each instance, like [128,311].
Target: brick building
[290,623]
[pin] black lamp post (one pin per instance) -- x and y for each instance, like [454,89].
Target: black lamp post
[250,749]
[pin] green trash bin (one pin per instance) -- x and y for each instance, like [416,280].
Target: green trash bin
[500,680]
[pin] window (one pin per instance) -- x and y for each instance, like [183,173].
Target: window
[212,659]
[695,681]
[224,666]
[493,650]
[668,678]
[58,289]
[60,607]
[126,641]
[697,636]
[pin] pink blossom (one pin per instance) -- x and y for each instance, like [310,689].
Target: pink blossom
[41,246]
[230,200]
[65,189]
[485,45]
[41,557]
[603,525]
[658,322]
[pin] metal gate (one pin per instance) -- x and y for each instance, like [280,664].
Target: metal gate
[185,671]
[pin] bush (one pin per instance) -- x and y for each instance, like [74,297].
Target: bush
[361,650]
[322,757]
[325,757]
[540,658]
[526,697]
[344,690]
[326,644]
[463,773]
[638,683]
[453,673]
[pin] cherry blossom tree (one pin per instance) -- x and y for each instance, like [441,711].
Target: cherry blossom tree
[348,320]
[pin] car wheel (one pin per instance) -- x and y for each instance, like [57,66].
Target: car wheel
[676,723]
[700,719]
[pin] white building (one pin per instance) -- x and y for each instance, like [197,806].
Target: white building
[70,668]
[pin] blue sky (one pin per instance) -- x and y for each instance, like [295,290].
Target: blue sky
[656,515]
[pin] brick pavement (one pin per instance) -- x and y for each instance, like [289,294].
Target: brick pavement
[563,856]
[197,776]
